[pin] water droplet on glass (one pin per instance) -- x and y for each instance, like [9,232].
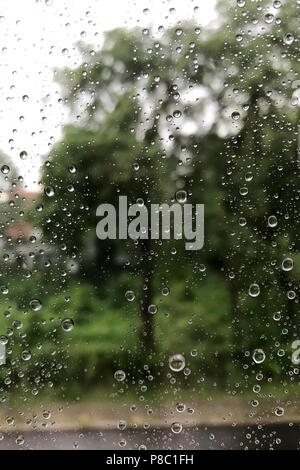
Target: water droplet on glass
[177,362]
[180,407]
[287,264]
[177,114]
[5,169]
[254,290]
[272,221]
[181,196]
[288,39]
[20,440]
[67,324]
[72,169]
[235,116]
[49,191]
[176,428]
[35,305]
[23,155]
[122,425]
[119,375]
[130,295]
[269,18]
[279,411]
[26,355]
[152,309]
[258,356]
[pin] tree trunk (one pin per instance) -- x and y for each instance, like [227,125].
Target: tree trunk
[147,337]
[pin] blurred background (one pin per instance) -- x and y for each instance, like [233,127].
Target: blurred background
[147,100]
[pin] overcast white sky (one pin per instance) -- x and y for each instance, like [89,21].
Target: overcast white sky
[33,34]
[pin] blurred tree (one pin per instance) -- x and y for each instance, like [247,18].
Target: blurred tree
[215,114]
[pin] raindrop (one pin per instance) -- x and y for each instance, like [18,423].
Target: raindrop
[287,264]
[72,169]
[180,407]
[35,305]
[46,414]
[235,116]
[176,428]
[49,191]
[288,39]
[122,425]
[272,221]
[23,155]
[67,324]
[269,18]
[181,196]
[26,355]
[177,362]
[119,375]
[20,440]
[5,169]
[258,356]
[152,309]
[244,191]
[254,290]
[130,295]
[279,411]
[177,114]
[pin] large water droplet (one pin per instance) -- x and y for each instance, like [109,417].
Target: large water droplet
[177,362]
[5,169]
[181,196]
[176,428]
[119,375]
[258,356]
[272,221]
[26,355]
[49,191]
[130,295]
[67,324]
[288,39]
[35,305]
[254,290]
[287,264]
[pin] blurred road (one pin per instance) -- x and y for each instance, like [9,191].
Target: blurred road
[281,436]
